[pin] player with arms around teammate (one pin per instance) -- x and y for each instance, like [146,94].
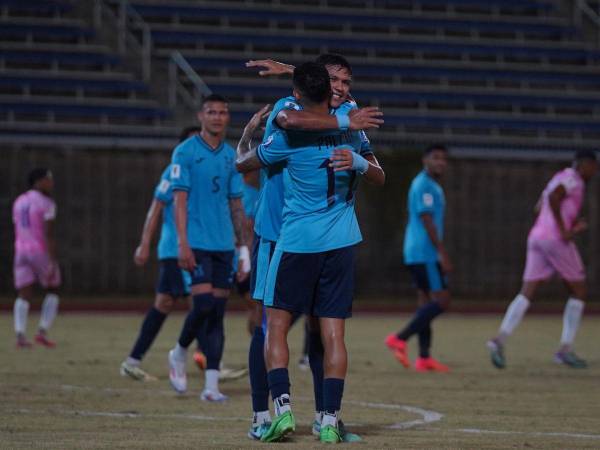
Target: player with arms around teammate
[173,282]
[426,257]
[550,250]
[35,261]
[313,263]
[209,218]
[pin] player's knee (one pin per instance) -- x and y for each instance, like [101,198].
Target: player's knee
[220,293]
[443,299]
[164,303]
[255,316]
[579,292]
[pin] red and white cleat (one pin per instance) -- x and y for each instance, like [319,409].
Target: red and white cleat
[398,346]
[42,340]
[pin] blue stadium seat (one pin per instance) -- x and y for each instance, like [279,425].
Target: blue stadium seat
[87,110]
[43,6]
[415,23]
[563,54]
[10,30]
[68,83]
[62,57]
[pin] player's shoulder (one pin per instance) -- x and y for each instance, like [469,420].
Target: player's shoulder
[186,147]
[166,173]
[346,107]
[288,102]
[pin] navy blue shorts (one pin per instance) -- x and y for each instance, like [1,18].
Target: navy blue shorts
[317,284]
[215,268]
[262,251]
[428,277]
[172,280]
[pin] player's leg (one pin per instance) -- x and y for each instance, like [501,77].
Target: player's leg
[537,269]
[49,276]
[202,305]
[569,265]
[303,362]
[24,279]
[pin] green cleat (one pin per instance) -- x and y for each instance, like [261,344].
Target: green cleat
[346,435]
[280,427]
[570,359]
[330,435]
[496,353]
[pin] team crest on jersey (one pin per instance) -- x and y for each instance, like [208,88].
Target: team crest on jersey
[292,105]
[163,187]
[427,199]
[268,141]
[175,171]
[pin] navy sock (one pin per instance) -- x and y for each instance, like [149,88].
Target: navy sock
[422,318]
[315,358]
[279,382]
[202,305]
[258,371]
[150,328]
[333,391]
[425,341]
[215,334]
[201,336]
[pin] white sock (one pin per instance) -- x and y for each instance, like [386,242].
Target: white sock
[571,320]
[180,352]
[329,419]
[132,361]
[514,314]
[20,311]
[261,417]
[282,404]
[211,380]
[49,310]
[318,416]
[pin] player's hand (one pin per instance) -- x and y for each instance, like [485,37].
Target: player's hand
[257,119]
[579,226]
[270,67]
[186,258]
[141,255]
[244,265]
[365,118]
[445,262]
[341,159]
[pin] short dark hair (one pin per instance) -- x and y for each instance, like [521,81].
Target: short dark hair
[333,59]
[434,147]
[37,174]
[585,154]
[312,80]
[188,131]
[214,98]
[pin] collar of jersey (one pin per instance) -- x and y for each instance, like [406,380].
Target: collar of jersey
[205,145]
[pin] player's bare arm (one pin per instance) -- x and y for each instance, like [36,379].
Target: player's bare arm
[429,225]
[360,119]
[186,257]
[142,252]
[345,159]
[270,67]
[247,160]
[238,217]
[555,199]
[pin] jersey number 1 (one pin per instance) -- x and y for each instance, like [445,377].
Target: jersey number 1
[331,183]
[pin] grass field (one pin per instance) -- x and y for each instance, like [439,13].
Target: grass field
[73,397]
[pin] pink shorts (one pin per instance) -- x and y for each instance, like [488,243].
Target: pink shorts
[29,269]
[545,257]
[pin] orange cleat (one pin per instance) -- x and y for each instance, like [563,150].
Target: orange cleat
[200,360]
[398,346]
[430,365]
[42,340]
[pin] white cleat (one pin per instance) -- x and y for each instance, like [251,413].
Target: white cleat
[213,397]
[177,374]
[135,372]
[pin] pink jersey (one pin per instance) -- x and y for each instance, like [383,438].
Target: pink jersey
[545,226]
[31,210]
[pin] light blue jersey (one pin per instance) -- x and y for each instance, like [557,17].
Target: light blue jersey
[271,199]
[318,213]
[211,180]
[167,245]
[249,200]
[425,196]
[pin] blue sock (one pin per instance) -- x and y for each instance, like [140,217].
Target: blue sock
[315,358]
[425,341]
[422,318]
[150,327]
[258,371]
[333,391]
[279,382]
[202,305]
[215,334]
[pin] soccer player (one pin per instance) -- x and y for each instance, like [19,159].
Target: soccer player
[426,258]
[35,261]
[288,114]
[550,250]
[208,211]
[311,270]
[173,283]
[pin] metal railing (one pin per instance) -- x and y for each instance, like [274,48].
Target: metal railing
[178,90]
[582,11]
[132,33]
